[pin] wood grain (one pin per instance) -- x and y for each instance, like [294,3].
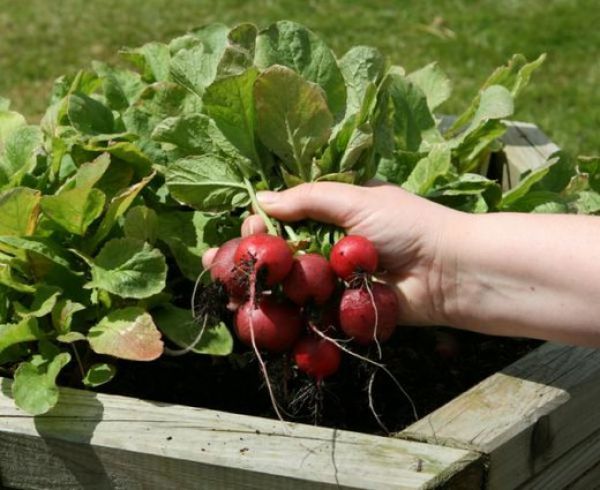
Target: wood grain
[527,417]
[526,147]
[590,480]
[122,442]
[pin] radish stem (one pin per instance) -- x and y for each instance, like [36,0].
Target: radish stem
[268,222]
[291,233]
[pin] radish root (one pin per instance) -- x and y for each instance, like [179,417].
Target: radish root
[372,362]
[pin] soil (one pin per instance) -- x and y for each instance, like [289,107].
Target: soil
[432,365]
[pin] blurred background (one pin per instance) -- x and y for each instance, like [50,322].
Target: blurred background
[42,39]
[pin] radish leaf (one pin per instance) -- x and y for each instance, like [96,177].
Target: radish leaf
[183,329]
[206,182]
[293,120]
[128,333]
[230,103]
[129,268]
[34,388]
[19,208]
[25,330]
[294,46]
[75,209]
[99,374]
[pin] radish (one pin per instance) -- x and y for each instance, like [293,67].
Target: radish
[318,358]
[224,270]
[265,254]
[353,255]
[275,325]
[311,278]
[363,312]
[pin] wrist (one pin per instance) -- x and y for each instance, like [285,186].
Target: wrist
[448,283]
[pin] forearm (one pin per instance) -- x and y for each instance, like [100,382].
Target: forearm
[526,275]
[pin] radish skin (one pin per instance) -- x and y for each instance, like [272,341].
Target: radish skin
[224,270]
[317,357]
[268,254]
[276,326]
[358,318]
[310,279]
[353,255]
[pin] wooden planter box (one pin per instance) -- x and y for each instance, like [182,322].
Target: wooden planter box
[535,424]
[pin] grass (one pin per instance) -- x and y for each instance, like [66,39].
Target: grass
[40,40]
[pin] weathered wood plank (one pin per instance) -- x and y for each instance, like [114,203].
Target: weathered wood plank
[128,443]
[526,147]
[525,417]
[569,466]
[590,480]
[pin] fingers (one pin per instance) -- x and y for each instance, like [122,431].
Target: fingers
[208,257]
[328,202]
[253,224]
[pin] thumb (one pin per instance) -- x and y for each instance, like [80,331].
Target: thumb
[327,202]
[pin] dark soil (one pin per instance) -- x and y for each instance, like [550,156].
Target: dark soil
[430,372]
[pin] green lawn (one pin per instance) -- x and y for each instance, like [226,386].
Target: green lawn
[41,39]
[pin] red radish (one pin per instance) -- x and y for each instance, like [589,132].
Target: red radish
[276,325]
[353,254]
[357,314]
[266,254]
[224,270]
[311,278]
[318,358]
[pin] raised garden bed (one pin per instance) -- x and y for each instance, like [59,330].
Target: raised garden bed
[534,424]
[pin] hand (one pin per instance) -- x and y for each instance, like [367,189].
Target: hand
[408,231]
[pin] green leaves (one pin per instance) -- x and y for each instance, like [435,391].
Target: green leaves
[99,374]
[180,327]
[196,67]
[230,103]
[188,234]
[34,388]
[15,333]
[141,223]
[547,189]
[206,182]
[428,169]
[89,116]
[129,268]
[128,333]
[411,117]
[19,208]
[239,52]
[75,209]
[294,46]
[293,120]
[495,102]
[514,77]
[361,66]
[117,207]
[18,153]
[9,121]
[152,59]
[434,84]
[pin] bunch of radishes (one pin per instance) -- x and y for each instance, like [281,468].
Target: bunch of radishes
[296,303]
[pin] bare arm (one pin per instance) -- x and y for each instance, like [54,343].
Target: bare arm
[525,275]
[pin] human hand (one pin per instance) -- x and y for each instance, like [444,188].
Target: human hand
[408,231]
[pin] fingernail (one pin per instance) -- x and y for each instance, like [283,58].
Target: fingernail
[266,197]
